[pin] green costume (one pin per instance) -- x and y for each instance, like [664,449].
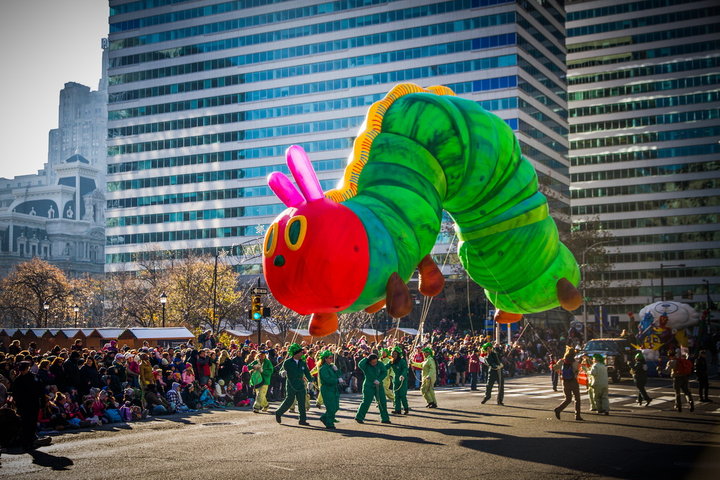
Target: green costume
[400,371]
[389,394]
[295,370]
[328,377]
[266,370]
[429,375]
[372,390]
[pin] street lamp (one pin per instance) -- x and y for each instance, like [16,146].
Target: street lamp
[163,301]
[582,271]
[662,278]
[46,307]
[76,309]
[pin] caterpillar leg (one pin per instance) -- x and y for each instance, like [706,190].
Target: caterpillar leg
[430,277]
[568,295]
[375,307]
[397,297]
[322,324]
[502,316]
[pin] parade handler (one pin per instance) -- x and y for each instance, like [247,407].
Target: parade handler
[385,359]
[328,377]
[495,374]
[295,369]
[263,365]
[400,371]
[372,388]
[598,386]
[429,375]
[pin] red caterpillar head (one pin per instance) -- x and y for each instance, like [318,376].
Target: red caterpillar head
[315,254]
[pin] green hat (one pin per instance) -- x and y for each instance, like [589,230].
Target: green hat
[293,349]
[324,354]
[487,346]
[639,356]
[599,358]
[427,350]
[397,348]
[385,351]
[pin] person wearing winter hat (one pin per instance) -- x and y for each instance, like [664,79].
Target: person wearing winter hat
[175,399]
[567,369]
[328,377]
[399,367]
[495,374]
[429,375]
[295,369]
[598,386]
[372,389]
[639,373]
[264,366]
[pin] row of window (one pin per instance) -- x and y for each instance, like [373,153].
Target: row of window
[185,216]
[667,119]
[670,204]
[235,250]
[687,82]
[644,188]
[671,221]
[678,33]
[544,139]
[228,193]
[664,68]
[238,135]
[180,235]
[684,237]
[645,21]
[237,24]
[319,28]
[659,256]
[675,50]
[325,47]
[622,7]
[688,151]
[247,116]
[646,104]
[314,87]
[147,4]
[541,97]
[649,137]
[262,19]
[540,157]
[648,171]
[198,159]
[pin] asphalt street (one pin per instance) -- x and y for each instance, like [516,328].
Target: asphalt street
[461,439]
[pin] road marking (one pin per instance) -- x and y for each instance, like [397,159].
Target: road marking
[281,468]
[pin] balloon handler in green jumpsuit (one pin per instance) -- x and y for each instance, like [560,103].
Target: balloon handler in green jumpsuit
[295,368]
[387,381]
[372,388]
[399,367]
[328,377]
[429,375]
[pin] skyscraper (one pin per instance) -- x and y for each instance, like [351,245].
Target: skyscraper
[644,129]
[205,96]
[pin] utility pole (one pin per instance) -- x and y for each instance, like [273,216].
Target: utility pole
[214,310]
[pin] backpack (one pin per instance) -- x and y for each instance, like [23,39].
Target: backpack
[567,371]
[684,367]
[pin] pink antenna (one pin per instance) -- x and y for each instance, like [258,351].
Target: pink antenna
[303,173]
[284,189]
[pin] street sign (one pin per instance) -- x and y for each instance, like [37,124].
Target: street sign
[259,291]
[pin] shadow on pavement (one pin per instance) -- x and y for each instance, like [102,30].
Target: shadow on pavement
[596,454]
[46,460]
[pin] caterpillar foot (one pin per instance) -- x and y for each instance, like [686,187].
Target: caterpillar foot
[502,316]
[322,324]
[397,297]
[430,277]
[375,307]
[569,297]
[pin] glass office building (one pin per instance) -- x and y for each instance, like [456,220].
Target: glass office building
[206,95]
[644,98]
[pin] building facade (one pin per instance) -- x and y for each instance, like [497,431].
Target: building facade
[205,97]
[644,99]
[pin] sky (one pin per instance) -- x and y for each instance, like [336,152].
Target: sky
[43,45]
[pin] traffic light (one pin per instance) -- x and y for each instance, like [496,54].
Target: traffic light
[256,309]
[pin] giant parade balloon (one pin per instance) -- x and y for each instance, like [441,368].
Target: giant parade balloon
[420,152]
[663,324]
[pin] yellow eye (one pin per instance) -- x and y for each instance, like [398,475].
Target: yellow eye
[295,232]
[271,240]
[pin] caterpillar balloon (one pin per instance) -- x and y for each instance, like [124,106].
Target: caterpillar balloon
[420,151]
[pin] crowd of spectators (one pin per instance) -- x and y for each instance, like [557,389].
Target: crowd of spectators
[83,387]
